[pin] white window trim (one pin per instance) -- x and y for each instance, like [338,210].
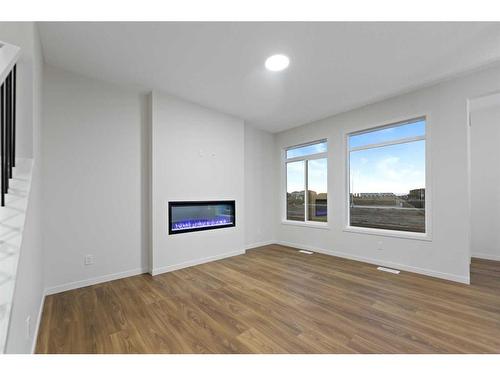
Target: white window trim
[309,223]
[388,143]
[388,233]
[284,161]
[321,155]
[427,236]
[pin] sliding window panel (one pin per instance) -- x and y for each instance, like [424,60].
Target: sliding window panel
[317,191]
[295,190]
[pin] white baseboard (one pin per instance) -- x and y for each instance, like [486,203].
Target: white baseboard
[403,267]
[259,244]
[486,256]
[195,262]
[93,281]
[37,326]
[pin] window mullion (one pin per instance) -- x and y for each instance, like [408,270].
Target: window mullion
[389,143]
[306,191]
[321,155]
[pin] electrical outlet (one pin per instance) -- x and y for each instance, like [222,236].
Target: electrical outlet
[89,259]
[28,327]
[380,246]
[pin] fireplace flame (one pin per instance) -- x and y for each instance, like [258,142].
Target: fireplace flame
[202,223]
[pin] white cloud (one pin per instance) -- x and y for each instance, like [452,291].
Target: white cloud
[390,176]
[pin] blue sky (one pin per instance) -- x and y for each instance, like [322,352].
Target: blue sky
[390,169]
[317,176]
[306,150]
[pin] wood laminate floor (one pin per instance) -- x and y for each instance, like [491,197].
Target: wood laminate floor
[276,300]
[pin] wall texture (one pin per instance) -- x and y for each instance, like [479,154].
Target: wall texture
[447,255]
[485,182]
[260,199]
[28,295]
[95,180]
[196,154]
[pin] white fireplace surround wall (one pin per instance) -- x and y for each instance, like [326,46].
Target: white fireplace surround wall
[210,166]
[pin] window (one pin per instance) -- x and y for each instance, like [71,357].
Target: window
[306,182]
[387,168]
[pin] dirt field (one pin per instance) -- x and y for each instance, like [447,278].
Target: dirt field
[409,220]
[392,218]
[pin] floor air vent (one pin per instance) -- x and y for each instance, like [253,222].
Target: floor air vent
[306,252]
[390,270]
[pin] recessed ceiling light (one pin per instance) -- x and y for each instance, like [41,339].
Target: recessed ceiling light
[275,63]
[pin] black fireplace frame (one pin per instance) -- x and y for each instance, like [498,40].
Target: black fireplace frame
[199,203]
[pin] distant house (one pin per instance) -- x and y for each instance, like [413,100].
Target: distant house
[374,195]
[297,195]
[417,194]
[416,198]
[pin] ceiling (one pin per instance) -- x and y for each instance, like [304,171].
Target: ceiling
[334,67]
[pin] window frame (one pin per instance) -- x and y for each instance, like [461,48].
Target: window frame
[427,236]
[284,190]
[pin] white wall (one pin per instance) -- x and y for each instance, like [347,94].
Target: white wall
[448,254]
[197,154]
[260,199]
[28,294]
[485,182]
[95,190]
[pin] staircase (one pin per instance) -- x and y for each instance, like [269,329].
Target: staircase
[8,78]
[15,182]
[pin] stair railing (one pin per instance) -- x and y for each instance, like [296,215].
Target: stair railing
[8,93]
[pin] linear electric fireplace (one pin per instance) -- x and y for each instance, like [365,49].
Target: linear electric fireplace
[189,216]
